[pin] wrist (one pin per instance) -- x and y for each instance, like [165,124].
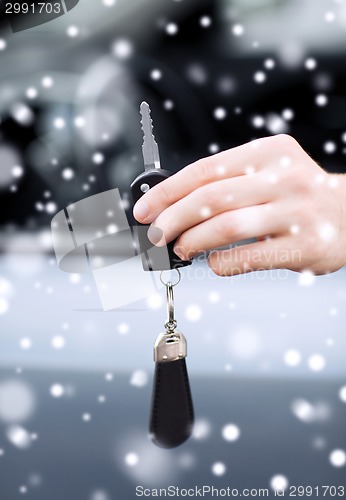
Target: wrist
[340,180]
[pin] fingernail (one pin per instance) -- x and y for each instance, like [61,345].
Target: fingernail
[154,234]
[141,210]
[177,250]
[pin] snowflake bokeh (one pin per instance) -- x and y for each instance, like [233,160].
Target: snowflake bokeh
[266,351]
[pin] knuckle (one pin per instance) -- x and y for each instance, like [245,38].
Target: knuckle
[162,193]
[228,226]
[285,141]
[303,180]
[278,145]
[252,261]
[288,177]
[209,196]
[303,214]
[202,169]
[299,180]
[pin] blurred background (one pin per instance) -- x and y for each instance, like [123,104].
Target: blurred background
[266,350]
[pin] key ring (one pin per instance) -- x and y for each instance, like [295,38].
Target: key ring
[173,284]
[171,322]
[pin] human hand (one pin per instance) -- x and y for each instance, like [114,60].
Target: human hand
[268,189]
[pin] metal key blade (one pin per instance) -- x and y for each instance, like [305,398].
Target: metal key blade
[150,148]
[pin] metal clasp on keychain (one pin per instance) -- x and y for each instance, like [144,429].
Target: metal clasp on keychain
[171,345]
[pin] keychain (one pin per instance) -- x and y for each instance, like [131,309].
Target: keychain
[172,413]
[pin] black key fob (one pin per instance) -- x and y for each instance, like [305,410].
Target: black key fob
[154,258]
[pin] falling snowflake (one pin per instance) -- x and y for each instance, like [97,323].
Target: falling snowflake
[218,468]
[276,124]
[303,410]
[18,436]
[123,328]
[269,63]
[321,100]
[292,357]
[31,93]
[329,17]
[168,104]
[72,31]
[231,432]
[220,113]
[279,482]
[4,305]
[122,48]
[156,74]
[109,376]
[260,77]
[154,301]
[213,148]
[139,378]
[67,174]
[205,21]
[197,74]
[329,147]
[342,394]
[205,212]
[238,30]
[57,390]
[306,278]
[25,343]
[17,401]
[316,362]
[79,121]
[47,82]
[131,459]
[338,458]
[285,161]
[59,123]
[22,113]
[171,29]
[213,297]
[100,494]
[201,429]
[287,114]
[98,158]
[294,229]
[193,312]
[310,63]
[58,342]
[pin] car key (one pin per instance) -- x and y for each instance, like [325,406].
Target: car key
[153,258]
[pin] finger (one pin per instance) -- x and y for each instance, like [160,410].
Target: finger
[229,227]
[210,200]
[275,253]
[233,162]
